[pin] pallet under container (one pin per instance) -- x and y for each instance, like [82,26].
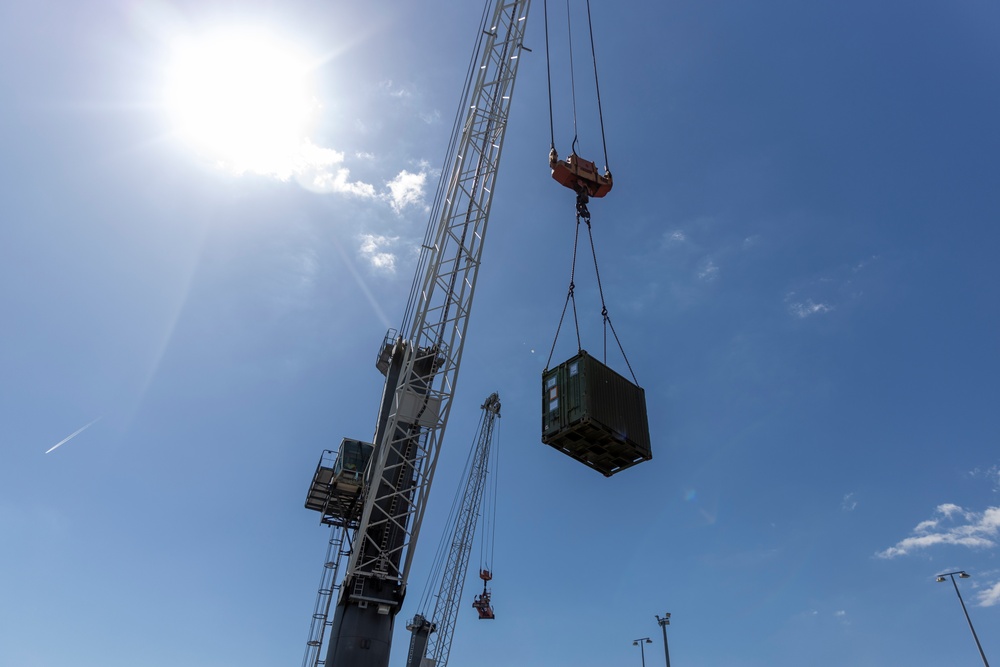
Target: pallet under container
[594,415]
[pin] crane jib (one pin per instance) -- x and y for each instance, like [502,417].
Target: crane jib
[422,367]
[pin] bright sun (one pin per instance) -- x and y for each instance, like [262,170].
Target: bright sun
[242,99]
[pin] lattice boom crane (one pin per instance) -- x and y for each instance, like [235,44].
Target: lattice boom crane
[431,637]
[421,364]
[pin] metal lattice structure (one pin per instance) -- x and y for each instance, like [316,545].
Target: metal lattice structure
[421,365]
[433,354]
[457,563]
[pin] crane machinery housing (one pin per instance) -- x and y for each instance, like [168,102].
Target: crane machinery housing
[376,517]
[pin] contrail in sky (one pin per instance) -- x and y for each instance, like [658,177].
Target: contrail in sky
[73,435]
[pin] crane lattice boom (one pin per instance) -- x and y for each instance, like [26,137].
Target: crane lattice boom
[439,629]
[422,368]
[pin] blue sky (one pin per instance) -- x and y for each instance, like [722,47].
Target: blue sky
[799,257]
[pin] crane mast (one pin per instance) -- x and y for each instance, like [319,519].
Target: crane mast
[421,368]
[431,638]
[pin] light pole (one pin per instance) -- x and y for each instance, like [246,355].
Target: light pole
[642,649]
[962,574]
[664,622]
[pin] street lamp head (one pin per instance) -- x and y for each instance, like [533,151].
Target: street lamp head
[962,574]
[940,579]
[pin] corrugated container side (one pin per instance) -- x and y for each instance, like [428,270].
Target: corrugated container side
[594,415]
[617,403]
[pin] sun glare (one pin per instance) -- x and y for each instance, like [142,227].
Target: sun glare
[242,99]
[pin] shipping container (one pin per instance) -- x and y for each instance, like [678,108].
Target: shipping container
[594,415]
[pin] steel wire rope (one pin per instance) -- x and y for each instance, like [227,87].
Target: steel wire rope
[427,247]
[597,87]
[570,297]
[435,574]
[487,548]
[604,308]
[503,61]
[597,83]
[495,478]
[572,75]
[548,75]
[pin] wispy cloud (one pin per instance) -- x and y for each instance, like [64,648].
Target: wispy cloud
[822,293]
[950,525]
[992,473]
[71,436]
[708,271]
[375,248]
[807,308]
[990,596]
[396,90]
[849,503]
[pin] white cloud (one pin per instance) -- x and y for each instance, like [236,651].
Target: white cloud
[708,271]
[676,236]
[826,291]
[992,473]
[393,90]
[990,596]
[849,504]
[318,170]
[948,509]
[971,529]
[406,189]
[430,117]
[804,309]
[840,613]
[373,248]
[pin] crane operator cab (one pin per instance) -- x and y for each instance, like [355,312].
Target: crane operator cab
[349,468]
[581,177]
[482,602]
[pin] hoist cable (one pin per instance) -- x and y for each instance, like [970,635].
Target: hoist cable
[495,478]
[548,75]
[597,86]
[570,297]
[572,74]
[489,501]
[436,573]
[427,248]
[604,308]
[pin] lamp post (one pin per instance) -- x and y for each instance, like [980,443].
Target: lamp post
[642,649]
[664,622]
[962,574]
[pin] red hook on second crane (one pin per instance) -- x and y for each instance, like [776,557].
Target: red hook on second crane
[482,602]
